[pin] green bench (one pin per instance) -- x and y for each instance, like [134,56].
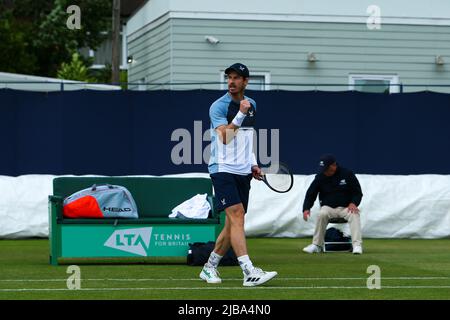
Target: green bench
[153,234]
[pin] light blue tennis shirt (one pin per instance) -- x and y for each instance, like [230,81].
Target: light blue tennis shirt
[237,156]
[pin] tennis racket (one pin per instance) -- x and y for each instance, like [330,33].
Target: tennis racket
[278,177]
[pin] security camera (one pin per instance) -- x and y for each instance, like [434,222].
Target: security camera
[212,39]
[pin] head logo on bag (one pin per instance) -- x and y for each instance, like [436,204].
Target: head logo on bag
[112,209]
[135,241]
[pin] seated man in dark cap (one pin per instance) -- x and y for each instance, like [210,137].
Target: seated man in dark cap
[339,196]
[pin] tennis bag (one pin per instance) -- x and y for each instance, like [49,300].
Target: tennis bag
[341,242]
[199,252]
[103,201]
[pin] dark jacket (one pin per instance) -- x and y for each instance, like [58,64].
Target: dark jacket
[339,190]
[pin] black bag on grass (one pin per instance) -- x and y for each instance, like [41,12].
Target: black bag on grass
[199,252]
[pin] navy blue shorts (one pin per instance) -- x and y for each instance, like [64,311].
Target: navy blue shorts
[231,189]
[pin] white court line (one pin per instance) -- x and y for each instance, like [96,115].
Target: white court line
[222,288]
[226,279]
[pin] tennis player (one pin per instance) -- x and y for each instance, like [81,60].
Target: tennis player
[232,165]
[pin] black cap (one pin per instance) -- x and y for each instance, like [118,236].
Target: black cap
[325,161]
[239,68]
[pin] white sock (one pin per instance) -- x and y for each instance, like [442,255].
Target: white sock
[214,259]
[246,264]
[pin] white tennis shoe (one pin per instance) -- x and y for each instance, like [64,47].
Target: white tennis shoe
[357,250]
[210,274]
[257,276]
[312,248]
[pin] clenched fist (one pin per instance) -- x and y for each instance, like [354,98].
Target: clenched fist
[245,106]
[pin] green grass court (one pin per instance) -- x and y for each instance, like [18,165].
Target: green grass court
[410,269]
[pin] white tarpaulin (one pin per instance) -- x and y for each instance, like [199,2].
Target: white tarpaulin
[416,206]
[392,207]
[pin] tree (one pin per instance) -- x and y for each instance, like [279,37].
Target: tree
[75,70]
[35,34]
[16,56]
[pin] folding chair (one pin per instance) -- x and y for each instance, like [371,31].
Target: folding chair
[345,243]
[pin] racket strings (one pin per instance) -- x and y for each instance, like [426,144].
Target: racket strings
[280,181]
[278,177]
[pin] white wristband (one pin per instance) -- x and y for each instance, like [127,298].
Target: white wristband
[238,119]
